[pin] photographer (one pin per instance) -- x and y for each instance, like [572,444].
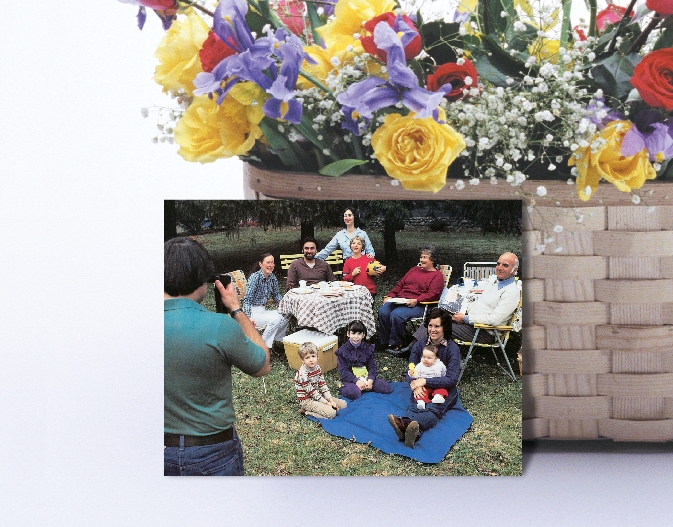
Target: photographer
[200,347]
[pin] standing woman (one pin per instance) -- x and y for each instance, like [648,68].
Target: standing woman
[342,239]
[262,285]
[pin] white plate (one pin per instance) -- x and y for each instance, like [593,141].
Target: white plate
[398,300]
[301,290]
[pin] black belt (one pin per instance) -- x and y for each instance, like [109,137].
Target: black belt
[224,435]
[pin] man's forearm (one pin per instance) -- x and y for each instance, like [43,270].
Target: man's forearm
[251,332]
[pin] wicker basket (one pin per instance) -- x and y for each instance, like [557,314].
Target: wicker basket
[598,315]
[597,356]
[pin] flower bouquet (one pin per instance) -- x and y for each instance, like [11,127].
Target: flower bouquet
[501,90]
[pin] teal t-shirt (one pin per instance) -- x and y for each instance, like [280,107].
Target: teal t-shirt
[200,347]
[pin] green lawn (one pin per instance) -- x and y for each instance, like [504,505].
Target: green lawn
[277,440]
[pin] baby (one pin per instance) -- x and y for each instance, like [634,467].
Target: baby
[314,396]
[430,366]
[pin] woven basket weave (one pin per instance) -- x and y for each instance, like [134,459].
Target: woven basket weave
[598,315]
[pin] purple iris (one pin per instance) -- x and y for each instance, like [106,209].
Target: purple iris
[365,97]
[650,133]
[328,6]
[596,108]
[256,61]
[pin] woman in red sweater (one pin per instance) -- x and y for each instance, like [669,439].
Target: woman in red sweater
[423,283]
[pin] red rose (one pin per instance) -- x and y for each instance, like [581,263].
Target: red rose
[663,7]
[213,51]
[653,78]
[612,14]
[291,12]
[455,74]
[412,49]
[159,5]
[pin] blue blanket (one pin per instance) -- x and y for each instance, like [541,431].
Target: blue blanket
[366,420]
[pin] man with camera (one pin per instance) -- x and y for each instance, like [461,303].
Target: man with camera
[200,348]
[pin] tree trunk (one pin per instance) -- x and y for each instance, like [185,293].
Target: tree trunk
[170,227]
[389,242]
[307,229]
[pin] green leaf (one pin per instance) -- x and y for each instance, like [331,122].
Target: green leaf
[439,39]
[521,40]
[613,74]
[665,40]
[340,167]
[496,65]
[289,153]
[492,22]
[315,20]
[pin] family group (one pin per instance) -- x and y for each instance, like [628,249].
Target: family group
[201,346]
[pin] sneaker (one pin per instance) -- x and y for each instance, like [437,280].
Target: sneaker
[420,404]
[438,399]
[411,434]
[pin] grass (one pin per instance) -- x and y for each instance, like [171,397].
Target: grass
[277,440]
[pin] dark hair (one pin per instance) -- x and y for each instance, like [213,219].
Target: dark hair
[256,266]
[356,326]
[444,316]
[431,348]
[187,266]
[309,239]
[356,216]
[433,253]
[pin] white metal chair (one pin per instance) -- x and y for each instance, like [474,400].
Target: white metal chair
[479,270]
[501,333]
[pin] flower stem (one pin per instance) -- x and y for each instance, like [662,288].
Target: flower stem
[592,18]
[315,81]
[622,23]
[197,6]
[565,24]
[642,38]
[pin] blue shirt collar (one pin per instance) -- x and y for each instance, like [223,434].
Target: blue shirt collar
[504,283]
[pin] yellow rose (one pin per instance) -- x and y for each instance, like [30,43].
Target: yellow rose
[417,152]
[350,15]
[607,162]
[208,131]
[178,53]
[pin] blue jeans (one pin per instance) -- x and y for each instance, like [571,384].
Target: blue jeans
[433,411]
[220,459]
[393,322]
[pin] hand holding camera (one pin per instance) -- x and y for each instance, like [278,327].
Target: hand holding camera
[226,299]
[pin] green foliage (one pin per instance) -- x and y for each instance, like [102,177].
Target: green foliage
[340,167]
[614,73]
[439,40]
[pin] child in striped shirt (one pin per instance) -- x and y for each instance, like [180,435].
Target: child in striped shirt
[314,396]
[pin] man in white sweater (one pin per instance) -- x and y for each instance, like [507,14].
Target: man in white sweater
[494,306]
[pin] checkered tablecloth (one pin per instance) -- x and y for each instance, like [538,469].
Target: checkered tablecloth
[329,313]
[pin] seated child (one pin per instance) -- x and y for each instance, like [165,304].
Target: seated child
[312,391]
[357,366]
[355,267]
[430,366]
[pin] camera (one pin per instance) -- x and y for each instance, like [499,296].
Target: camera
[226,280]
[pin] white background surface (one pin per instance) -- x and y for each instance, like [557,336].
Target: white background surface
[81,372]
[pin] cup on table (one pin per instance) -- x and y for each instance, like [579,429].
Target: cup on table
[468,282]
[324,286]
[302,283]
